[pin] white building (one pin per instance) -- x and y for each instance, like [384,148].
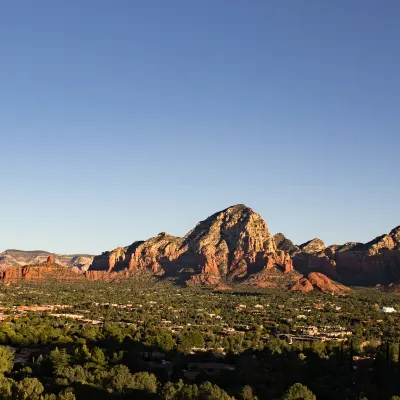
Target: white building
[388,310]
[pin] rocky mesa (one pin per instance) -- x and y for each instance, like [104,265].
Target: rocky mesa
[48,271]
[20,258]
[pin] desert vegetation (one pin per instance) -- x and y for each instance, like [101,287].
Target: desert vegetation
[140,338]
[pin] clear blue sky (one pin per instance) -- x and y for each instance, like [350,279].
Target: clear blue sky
[121,119]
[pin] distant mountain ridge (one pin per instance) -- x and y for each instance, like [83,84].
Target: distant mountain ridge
[353,263]
[18,258]
[233,245]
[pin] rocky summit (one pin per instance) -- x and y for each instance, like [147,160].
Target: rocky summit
[230,245]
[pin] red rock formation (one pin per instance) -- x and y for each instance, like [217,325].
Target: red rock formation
[222,288]
[320,282]
[376,262]
[50,259]
[235,244]
[322,263]
[209,272]
[106,276]
[302,285]
[39,272]
[279,258]
[20,258]
[324,284]
[230,244]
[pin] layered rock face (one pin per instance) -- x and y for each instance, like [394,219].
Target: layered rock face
[19,258]
[375,262]
[319,282]
[231,244]
[45,271]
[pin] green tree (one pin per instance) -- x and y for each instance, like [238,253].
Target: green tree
[82,354]
[189,339]
[28,389]
[74,374]
[208,391]
[66,395]
[188,392]
[233,343]
[247,393]
[5,387]
[170,390]
[96,360]
[318,347]
[299,392]
[276,346]
[59,360]
[120,379]
[145,381]
[159,338]
[6,359]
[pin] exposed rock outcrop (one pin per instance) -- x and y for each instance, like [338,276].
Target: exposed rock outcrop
[283,243]
[222,288]
[375,262]
[313,246]
[319,282]
[45,271]
[302,285]
[229,245]
[20,258]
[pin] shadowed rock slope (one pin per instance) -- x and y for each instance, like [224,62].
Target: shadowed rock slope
[372,263]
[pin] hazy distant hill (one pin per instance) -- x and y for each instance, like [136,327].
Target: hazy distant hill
[17,258]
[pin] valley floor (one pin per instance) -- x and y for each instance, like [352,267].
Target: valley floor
[261,340]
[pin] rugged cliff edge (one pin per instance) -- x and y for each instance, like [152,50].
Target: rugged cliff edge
[45,271]
[232,244]
[372,263]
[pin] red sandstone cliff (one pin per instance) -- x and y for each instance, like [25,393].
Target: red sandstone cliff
[45,271]
[231,245]
[375,262]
